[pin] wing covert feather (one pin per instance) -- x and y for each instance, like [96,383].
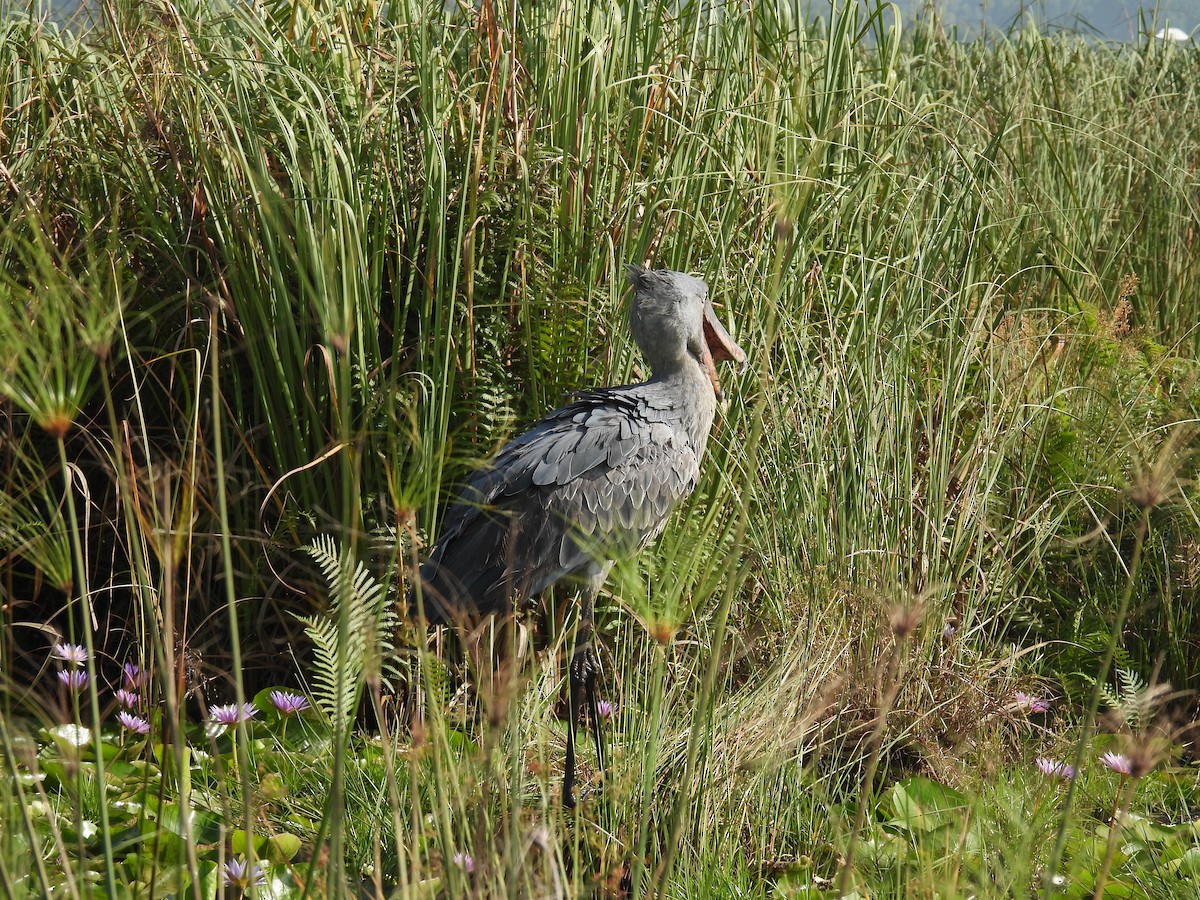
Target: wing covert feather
[594,480]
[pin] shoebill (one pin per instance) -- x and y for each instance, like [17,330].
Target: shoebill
[589,483]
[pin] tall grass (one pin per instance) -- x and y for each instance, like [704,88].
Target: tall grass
[276,274]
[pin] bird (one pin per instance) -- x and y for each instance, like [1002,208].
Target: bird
[592,482]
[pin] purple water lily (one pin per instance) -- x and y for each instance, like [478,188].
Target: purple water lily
[288,703]
[1054,768]
[1118,762]
[231,713]
[132,676]
[75,679]
[133,723]
[240,874]
[71,654]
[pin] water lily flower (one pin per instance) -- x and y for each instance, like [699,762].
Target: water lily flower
[240,874]
[71,654]
[605,709]
[128,699]
[75,679]
[1032,703]
[231,713]
[1118,762]
[133,676]
[464,861]
[1055,768]
[133,723]
[288,703]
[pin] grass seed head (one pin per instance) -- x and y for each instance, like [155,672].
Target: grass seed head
[662,631]
[905,620]
[57,424]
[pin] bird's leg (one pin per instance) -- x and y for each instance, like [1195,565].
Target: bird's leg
[582,675]
[590,679]
[588,661]
[575,685]
[577,681]
[598,576]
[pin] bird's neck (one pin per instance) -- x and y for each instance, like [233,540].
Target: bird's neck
[693,393]
[667,360]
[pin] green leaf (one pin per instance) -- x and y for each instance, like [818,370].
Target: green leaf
[209,879]
[240,844]
[1187,865]
[171,818]
[1143,830]
[460,741]
[797,892]
[282,848]
[883,849]
[272,787]
[923,805]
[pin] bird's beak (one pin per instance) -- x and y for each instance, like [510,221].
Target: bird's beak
[718,346]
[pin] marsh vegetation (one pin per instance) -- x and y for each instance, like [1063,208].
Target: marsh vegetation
[275,277]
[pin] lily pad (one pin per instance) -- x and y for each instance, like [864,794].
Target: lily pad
[920,804]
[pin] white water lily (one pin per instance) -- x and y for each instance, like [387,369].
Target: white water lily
[76,735]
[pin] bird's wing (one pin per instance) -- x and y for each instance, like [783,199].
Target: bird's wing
[612,511]
[594,479]
[601,428]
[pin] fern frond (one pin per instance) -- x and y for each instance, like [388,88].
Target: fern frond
[357,602]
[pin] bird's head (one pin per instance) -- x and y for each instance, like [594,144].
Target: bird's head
[673,320]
